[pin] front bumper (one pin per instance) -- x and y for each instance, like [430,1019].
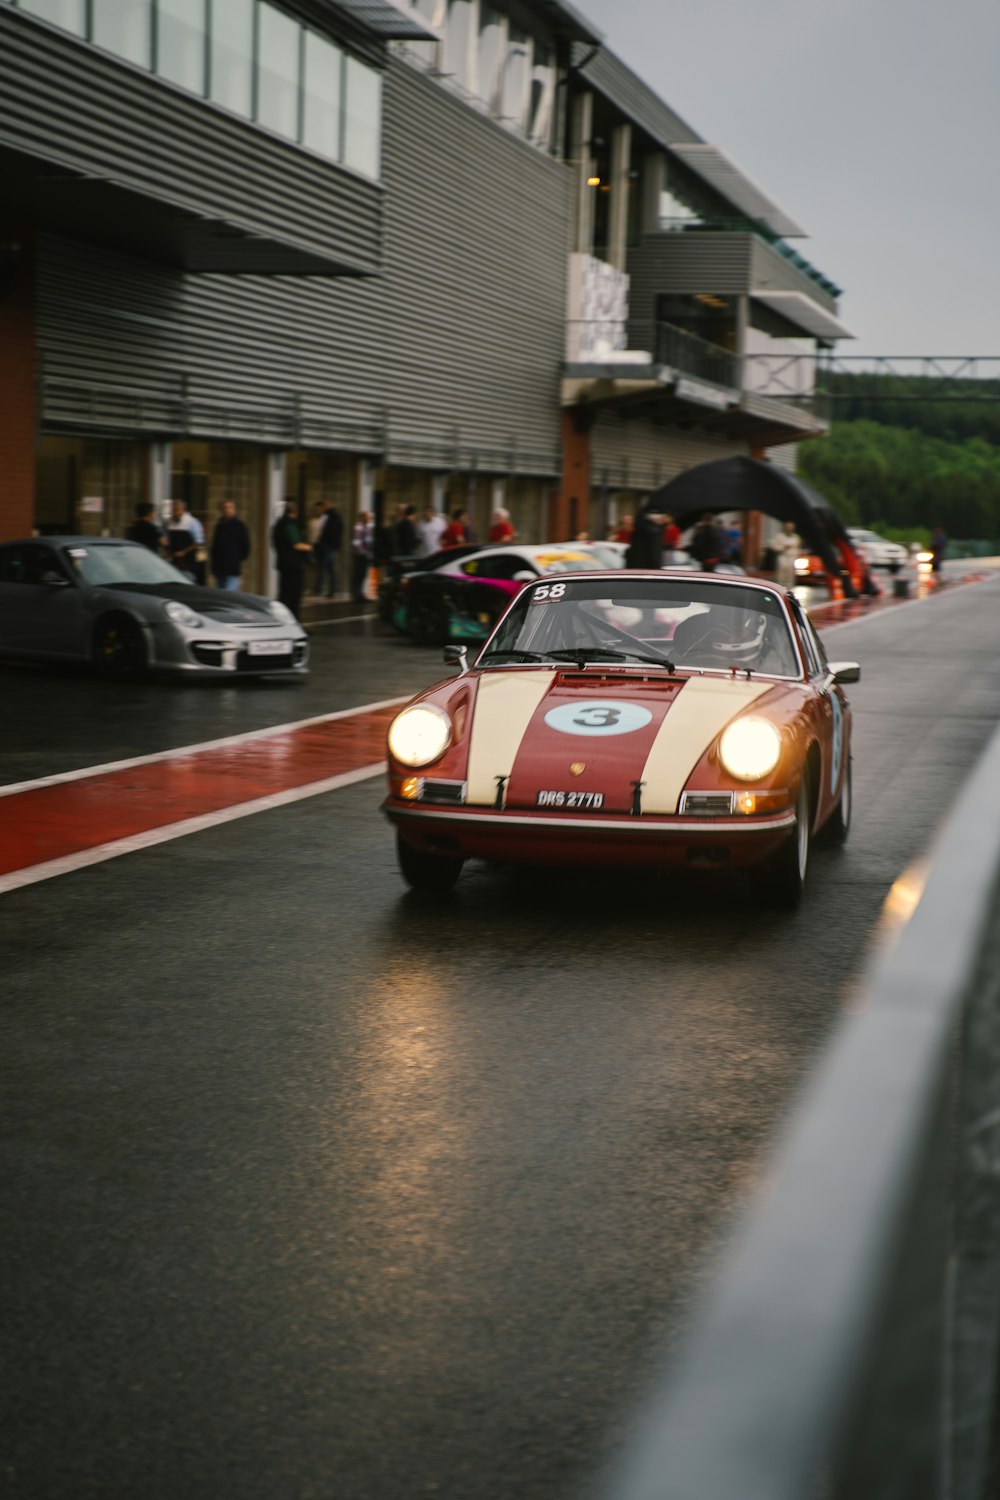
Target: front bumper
[214,652]
[594,839]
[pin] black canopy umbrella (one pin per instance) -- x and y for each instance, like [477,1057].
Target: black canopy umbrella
[742,483]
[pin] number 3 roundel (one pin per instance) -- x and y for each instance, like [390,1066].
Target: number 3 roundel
[598,716]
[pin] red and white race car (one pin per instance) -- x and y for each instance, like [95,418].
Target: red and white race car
[629,719]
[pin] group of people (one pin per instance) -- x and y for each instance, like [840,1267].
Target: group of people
[182,542]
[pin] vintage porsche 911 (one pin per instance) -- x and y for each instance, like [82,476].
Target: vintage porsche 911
[629,719]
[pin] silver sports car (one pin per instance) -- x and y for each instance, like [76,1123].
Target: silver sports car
[117,604]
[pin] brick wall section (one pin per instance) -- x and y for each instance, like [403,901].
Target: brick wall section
[17,384]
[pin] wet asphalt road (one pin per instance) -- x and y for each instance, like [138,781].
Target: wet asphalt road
[312,1189]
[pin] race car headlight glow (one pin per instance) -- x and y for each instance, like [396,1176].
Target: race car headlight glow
[181,615]
[419,735]
[749,748]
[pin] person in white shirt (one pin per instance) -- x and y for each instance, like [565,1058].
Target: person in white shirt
[185,534]
[429,531]
[362,551]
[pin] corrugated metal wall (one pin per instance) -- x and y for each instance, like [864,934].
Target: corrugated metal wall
[73,105]
[712,262]
[450,358]
[628,454]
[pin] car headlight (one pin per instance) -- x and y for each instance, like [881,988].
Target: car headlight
[420,734]
[282,612]
[181,615]
[802,565]
[749,748]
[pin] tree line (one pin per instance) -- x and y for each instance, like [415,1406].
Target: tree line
[902,462]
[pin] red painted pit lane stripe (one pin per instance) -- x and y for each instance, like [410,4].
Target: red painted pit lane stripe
[59,824]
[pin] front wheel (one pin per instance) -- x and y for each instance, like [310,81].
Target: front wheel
[788,870]
[435,873]
[119,648]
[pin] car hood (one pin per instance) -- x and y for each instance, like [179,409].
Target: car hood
[216,604]
[601,732]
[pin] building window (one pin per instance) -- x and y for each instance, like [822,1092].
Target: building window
[124,27]
[278,71]
[516,77]
[492,49]
[362,117]
[458,43]
[231,67]
[543,95]
[180,43]
[321,95]
[260,62]
[71,15]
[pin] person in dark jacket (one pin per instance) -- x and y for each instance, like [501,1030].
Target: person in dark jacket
[645,549]
[145,530]
[327,549]
[230,547]
[706,545]
[291,551]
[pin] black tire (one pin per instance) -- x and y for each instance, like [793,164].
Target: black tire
[790,865]
[427,621]
[119,647]
[839,825]
[435,873]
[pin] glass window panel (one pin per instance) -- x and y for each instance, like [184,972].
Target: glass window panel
[492,45]
[543,92]
[232,55]
[362,117]
[458,42]
[125,27]
[71,15]
[516,74]
[278,71]
[180,43]
[321,97]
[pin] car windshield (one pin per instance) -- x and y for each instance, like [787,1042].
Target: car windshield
[108,563]
[700,624]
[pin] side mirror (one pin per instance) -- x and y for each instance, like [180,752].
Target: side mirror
[525,576]
[845,671]
[54,580]
[457,656]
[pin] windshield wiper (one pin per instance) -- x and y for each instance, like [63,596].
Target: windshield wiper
[517,655]
[581,655]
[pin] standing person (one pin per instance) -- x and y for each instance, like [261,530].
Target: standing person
[144,529]
[939,541]
[290,553]
[645,548]
[671,533]
[230,547]
[327,549]
[313,528]
[362,549]
[405,539]
[185,535]
[706,545]
[429,531]
[623,531]
[787,546]
[501,531]
[456,532]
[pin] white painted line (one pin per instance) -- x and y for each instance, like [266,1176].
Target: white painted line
[232,739]
[344,620]
[49,868]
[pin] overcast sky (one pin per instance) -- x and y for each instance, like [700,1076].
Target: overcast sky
[874,123]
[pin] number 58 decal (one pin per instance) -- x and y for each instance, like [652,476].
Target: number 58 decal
[549,591]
